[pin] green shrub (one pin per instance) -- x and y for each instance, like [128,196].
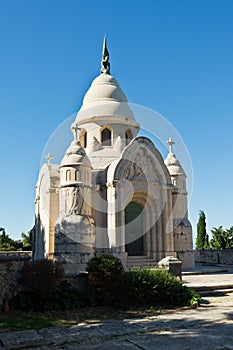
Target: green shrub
[105,272]
[152,288]
[37,280]
[141,287]
[66,297]
[60,297]
[41,275]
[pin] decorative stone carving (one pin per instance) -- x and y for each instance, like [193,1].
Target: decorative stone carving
[119,144]
[76,201]
[93,145]
[140,166]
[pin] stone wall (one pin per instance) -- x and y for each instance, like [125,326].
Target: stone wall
[187,259]
[10,265]
[213,257]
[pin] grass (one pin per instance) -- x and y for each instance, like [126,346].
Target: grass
[20,320]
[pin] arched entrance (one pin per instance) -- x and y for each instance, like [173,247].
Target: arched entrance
[134,229]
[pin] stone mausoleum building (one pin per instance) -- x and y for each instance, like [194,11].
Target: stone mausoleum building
[112,191]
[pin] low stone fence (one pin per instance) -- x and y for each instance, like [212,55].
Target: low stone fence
[10,265]
[214,257]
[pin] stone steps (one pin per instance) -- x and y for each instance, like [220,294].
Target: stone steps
[212,292]
[140,261]
[213,289]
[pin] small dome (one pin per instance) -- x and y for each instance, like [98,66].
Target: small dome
[105,98]
[173,165]
[75,154]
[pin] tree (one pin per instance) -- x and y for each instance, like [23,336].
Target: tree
[9,244]
[6,243]
[221,239]
[202,240]
[26,241]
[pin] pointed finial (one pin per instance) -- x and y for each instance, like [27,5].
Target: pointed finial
[170,143]
[105,65]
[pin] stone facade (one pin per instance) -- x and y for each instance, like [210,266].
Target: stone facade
[11,264]
[113,191]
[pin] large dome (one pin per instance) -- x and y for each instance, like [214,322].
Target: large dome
[104,88]
[105,98]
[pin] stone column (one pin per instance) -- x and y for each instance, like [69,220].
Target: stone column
[120,239]
[153,243]
[154,234]
[169,243]
[112,208]
[160,238]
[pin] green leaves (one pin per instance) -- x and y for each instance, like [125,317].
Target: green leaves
[202,240]
[8,244]
[222,239]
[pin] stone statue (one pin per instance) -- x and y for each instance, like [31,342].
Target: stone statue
[77,201]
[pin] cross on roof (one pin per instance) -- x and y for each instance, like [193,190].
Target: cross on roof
[170,143]
[48,157]
[76,128]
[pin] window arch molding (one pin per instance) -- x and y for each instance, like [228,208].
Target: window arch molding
[106,135]
[68,175]
[83,138]
[128,136]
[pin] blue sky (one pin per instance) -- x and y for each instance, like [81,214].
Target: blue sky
[173,56]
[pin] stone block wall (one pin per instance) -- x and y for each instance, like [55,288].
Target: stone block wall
[10,265]
[213,257]
[187,258]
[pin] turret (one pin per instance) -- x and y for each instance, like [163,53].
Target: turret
[75,227]
[183,244]
[75,181]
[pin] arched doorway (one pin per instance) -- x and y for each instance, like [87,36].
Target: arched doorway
[134,229]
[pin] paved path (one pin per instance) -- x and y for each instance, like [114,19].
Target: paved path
[208,277]
[209,327]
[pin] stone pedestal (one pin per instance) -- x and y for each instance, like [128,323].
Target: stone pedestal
[172,265]
[74,242]
[78,280]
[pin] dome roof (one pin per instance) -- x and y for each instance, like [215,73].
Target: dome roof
[104,87]
[105,98]
[75,154]
[173,165]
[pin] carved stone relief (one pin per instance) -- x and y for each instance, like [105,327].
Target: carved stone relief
[140,166]
[74,200]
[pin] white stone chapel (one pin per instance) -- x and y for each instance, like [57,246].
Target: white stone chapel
[112,191]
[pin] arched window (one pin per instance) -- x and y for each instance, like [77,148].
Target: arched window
[106,137]
[68,175]
[128,136]
[175,182]
[83,138]
[77,175]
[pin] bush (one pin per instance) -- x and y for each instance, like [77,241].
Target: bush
[105,272]
[41,275]
[42,288]
[153,288]
[37,281]
[141,287]
[60,297]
